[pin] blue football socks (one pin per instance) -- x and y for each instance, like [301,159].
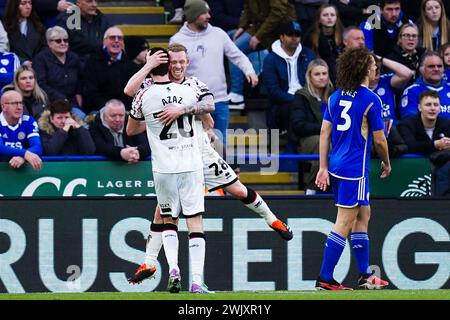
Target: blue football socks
[334,246]
[360,246]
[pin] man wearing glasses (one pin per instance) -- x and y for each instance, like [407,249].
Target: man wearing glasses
[107,72]
[432,73]
[19,133]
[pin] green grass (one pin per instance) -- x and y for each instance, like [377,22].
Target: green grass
[241,295]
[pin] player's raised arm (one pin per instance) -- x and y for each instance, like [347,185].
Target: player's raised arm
[136,80]
[381,147]
[323,178]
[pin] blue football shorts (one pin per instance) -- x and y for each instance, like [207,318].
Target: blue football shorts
[350,193]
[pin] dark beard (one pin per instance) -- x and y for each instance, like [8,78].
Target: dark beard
[202,27]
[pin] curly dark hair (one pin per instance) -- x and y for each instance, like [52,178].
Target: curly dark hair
[352,68]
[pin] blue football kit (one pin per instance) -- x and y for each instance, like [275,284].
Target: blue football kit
[16,140]
[387,95]
[409,105]
[354,115]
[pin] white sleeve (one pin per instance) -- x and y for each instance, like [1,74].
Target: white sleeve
[4,43]
[201,89]
[136,106]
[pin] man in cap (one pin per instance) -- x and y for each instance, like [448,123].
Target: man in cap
[287,54]
[206,47]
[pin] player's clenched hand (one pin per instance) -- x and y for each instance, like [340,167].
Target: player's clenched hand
[211,135]
[16,162]
[323,179]
[34,160]
[386,170]
[170,113]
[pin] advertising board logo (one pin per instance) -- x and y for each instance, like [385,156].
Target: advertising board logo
[419,187]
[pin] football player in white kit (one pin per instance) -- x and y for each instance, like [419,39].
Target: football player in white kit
[217,173]
[177,169]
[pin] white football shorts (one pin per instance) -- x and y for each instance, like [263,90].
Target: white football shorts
[180,192]
[218,173]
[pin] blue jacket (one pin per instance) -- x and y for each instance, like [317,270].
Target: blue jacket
[275,75]
[410,98]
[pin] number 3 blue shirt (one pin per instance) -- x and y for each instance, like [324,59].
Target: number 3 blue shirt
[354,116]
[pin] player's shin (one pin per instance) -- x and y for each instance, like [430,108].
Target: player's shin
[197,247]
[154,244]
[254,202]
[170,242]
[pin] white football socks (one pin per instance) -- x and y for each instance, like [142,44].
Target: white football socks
[197,248]
[170,242]
[262,209]
[152,248]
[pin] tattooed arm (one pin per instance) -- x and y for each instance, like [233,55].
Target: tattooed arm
[205,105]
[173,111]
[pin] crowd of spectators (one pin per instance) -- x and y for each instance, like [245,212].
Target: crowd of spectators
[62,86]
[411,47]
[45,60]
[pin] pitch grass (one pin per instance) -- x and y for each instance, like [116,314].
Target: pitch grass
[242,295]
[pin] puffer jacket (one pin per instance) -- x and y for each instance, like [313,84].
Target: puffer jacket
[57,142]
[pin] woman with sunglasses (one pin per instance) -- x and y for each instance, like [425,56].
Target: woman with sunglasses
[24,28]
[58,69]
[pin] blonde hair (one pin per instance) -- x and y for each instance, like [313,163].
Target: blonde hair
[177,47]
[402,29]
[37,91]
[326,92]
[426,28]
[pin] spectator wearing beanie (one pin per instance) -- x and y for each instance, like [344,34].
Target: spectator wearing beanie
[206,46]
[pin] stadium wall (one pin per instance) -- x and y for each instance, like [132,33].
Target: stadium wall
[94,244]
[409,178]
